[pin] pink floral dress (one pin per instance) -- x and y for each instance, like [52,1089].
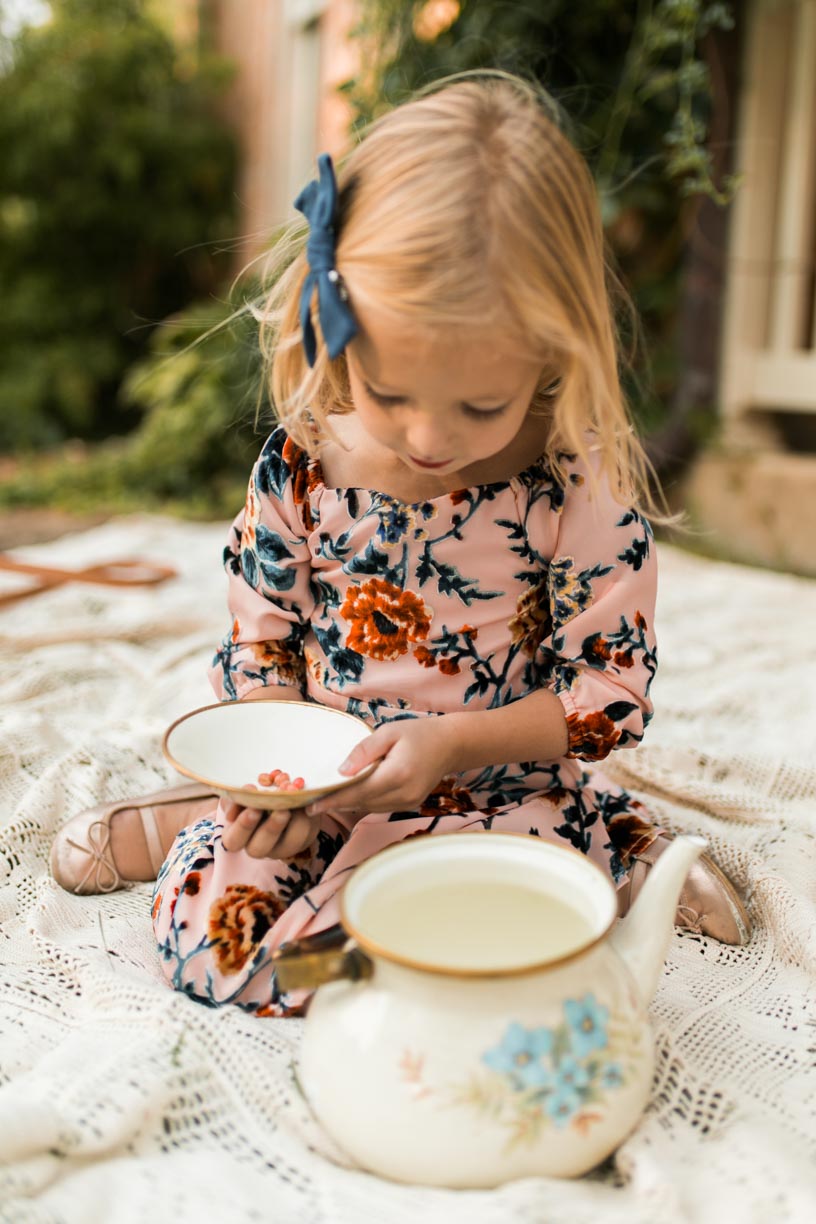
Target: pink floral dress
[390,610]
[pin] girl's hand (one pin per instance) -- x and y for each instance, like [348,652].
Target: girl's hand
[280,835]
[413,758]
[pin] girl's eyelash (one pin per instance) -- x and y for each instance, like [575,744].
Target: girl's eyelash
[385,400]
[483,412]
[388,400]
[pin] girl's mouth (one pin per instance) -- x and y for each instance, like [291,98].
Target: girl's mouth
[425,464]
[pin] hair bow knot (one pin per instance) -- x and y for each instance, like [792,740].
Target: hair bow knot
[318,203]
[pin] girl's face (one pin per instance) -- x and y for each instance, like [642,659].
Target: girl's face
[438,405]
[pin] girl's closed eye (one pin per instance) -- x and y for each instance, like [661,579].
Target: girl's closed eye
[385,400]
[388,401]
[471,411]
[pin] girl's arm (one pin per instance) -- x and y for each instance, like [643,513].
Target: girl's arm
[534,728]
[268,570]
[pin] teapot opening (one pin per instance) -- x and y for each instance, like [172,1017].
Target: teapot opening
[474,904]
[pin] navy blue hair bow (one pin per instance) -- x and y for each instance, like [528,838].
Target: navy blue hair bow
[318,203]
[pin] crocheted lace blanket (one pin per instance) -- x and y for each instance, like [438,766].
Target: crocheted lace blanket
[121,1100]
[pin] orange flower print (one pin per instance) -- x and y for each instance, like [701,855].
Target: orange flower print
[449,667]
[623,659]
[596,650]
[192,885]
[531,622]
[285,662]
[252,513]
[592,737]
[469,631]
[384,619]
[640,621]
[237,923]
[630,834]
[304,479]
[236,630]
[154,913]
[447,799]
[423,655]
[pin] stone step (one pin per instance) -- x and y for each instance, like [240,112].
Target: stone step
[756,507]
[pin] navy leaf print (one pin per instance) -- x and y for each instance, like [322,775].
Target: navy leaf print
[635,554]
[347,663]
[272,474]
[272,549]
[619,710]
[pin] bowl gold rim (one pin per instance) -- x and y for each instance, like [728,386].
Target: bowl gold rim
[279,800]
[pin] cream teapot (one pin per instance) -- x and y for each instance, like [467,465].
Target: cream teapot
[482,1015]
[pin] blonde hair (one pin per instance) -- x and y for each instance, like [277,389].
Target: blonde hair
[468,208]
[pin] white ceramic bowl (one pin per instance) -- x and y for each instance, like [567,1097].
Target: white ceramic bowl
[227,745]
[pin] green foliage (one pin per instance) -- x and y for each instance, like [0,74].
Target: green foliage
[193,449]
[116,177]
[627,76]
[634,95]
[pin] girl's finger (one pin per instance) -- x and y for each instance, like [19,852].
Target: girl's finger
[299,833]
[373,748]
[237,834]
[262,840]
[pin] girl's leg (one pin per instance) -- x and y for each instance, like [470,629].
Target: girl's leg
[218,915]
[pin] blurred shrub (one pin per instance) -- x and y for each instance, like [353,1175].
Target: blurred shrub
[193,449]
[116,175]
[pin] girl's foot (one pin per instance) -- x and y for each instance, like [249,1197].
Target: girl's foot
[709,904]
[93,853]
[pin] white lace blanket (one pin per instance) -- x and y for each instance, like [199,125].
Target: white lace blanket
[122,1101]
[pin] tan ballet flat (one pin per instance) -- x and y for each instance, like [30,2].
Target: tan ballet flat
[709,904]
[81,860]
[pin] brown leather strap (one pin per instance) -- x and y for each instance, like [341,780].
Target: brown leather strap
[128,572]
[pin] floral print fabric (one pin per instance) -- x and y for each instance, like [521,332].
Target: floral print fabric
[389,610]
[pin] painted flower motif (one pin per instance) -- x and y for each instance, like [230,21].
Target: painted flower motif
[400,521]
[612,1075]
[519,1057]
[384,619]
[587,1023]
[571,1082]
[531,623]
[569,592]
[237,923]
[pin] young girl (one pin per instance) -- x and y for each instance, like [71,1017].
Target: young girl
[441,537]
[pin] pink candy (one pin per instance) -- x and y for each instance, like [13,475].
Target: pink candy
[280,780]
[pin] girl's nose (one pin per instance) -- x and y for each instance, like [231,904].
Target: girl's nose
[428,439]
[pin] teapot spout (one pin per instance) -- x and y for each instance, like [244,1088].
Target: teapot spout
[642,937]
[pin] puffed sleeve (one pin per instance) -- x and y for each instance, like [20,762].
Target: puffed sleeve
[268,568]
[601,657]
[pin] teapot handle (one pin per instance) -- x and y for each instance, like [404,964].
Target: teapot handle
[304,964]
